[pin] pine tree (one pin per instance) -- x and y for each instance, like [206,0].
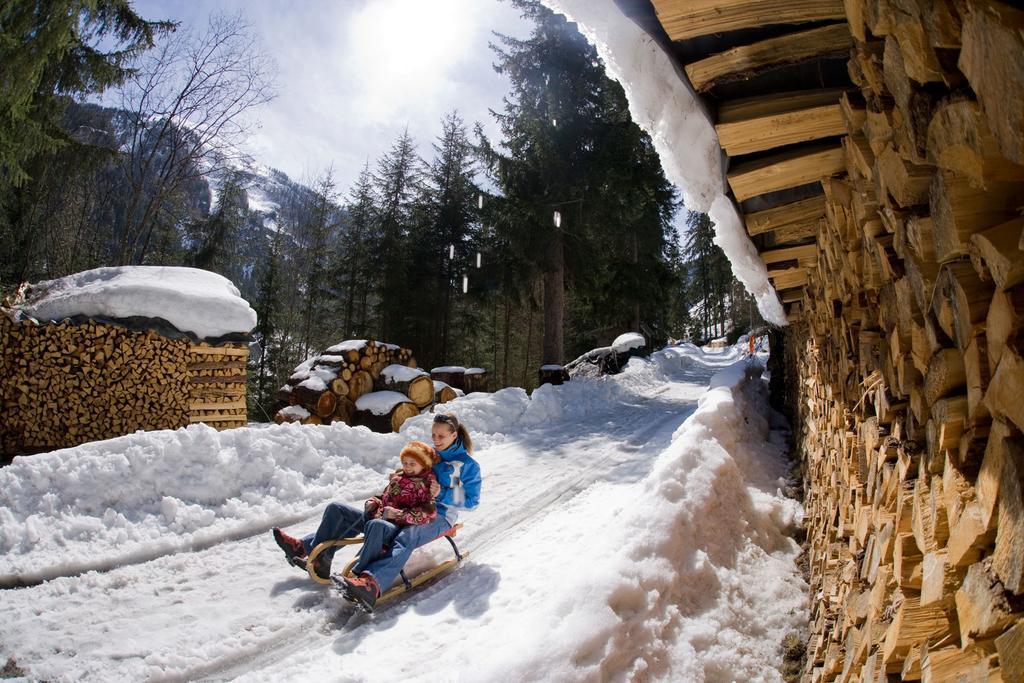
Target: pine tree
[395,183]
[50,51]
[214,237]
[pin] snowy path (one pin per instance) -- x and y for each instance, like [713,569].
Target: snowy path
[545,594]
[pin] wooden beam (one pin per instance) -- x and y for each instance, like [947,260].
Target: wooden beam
[787,278]
[684,19]
[744,60]
[777,130]
[744,108]
[786,170]
[804,252]
[791,295]
[806,212]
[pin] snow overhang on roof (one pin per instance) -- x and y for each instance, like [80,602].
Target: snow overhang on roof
[775,91]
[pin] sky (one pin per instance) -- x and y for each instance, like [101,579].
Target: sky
[353,74]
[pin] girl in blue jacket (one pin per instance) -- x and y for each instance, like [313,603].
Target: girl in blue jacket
[457,488]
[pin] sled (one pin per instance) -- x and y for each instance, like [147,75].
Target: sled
[406,584]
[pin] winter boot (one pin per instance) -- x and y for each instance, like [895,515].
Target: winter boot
[362,589]
[292,547]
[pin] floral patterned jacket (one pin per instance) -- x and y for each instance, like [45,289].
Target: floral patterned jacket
[409,494]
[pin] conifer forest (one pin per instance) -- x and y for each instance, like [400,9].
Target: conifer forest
[119,145]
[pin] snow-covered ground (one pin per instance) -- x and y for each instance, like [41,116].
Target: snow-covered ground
[630,528]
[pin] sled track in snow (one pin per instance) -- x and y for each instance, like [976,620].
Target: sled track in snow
[344,618]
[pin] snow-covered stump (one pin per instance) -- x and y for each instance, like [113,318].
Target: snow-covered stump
[552,374]
[384,411]
[474,379]
[452,375]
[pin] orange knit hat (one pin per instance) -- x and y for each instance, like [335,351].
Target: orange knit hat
[422,452]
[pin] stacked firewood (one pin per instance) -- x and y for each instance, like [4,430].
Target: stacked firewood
[360,382]
[62,384]
[217,384]
[908,347]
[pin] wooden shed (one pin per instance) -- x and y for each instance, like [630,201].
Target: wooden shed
[875,155]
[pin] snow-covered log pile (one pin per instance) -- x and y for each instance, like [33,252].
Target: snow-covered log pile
[109,351]
[609,360]
[909,354]
[359,382]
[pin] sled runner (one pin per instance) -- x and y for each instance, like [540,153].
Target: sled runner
[406,585]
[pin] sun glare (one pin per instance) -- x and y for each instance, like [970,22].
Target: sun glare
[402,50]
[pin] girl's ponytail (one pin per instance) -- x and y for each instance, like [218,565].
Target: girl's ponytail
[466,440]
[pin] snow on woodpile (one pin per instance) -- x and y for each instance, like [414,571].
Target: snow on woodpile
[380,402]
[348,345]
[662,103]
[401,373]
[194,301]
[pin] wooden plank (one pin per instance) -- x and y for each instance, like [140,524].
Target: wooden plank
[806,252]
[796,214]
[209,405]
[787,278]
[744,108]
[777,130]
[218,350]
[786,170]
[745,60]
[684,19]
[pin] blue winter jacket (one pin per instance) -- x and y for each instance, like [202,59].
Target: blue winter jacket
[459,476]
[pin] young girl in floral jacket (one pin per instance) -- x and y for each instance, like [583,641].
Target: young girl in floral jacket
[405,501]
[408,491]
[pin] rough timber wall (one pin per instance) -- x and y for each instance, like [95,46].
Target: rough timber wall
[908,352]
[62,384]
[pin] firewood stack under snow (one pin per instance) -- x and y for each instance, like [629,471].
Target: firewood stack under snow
[360,382]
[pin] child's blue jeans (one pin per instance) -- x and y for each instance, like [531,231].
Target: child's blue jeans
[339,521]
[403,541]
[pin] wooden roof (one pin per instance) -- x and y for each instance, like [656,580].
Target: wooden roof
[774,75]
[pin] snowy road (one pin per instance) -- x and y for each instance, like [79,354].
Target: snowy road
[587,563]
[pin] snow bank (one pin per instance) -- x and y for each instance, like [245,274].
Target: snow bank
[685,575]
[449,368]
[663,104]
[347,345]
[195,301]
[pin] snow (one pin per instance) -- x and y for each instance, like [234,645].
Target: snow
[653,501]
[439,385]
[193,300]
[313,384]
[401,373]
[550,367]
[450,368]
[295,412]
[347,345]
[629,341]
[380,402]
[474,371]
[662,102]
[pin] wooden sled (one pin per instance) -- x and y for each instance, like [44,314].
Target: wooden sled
[406,584]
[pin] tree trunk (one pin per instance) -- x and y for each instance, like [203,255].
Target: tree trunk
[554,305]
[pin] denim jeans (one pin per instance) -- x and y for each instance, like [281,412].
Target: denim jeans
[403,541]
[339,521]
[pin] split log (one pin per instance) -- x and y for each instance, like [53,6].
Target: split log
[1010,647]
[997,252]
[960,302]
[960,140]
[1004,320]
[984,609]
[992,58]
[960,210]
[384,411]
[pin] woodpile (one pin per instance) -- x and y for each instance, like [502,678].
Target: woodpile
[217,384]
[63,384]
[359,382]
[907,348]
